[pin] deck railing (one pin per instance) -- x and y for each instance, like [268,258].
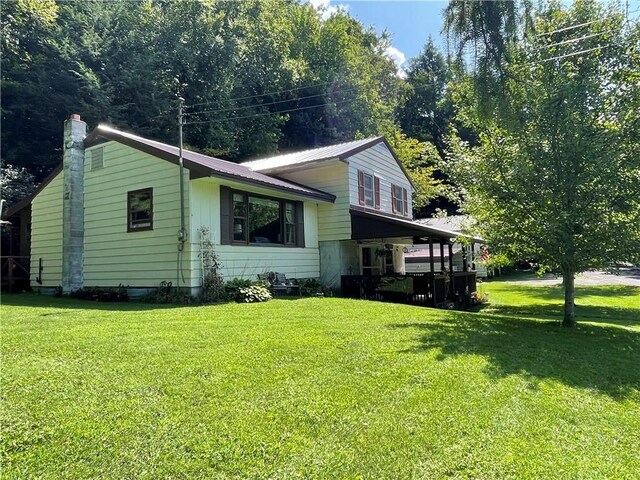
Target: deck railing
[14,272]
[423,289]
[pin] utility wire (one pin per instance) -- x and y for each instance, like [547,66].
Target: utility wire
[268,103]
[265,114]
[566,28]
[573,40]
[264,94]
[560,57]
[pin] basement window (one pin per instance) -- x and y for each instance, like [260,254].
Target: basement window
[140,210]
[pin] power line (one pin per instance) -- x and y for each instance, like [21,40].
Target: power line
[268,103]
[566,28]
[264,94]
[265,114]
[577,53]
[573,40]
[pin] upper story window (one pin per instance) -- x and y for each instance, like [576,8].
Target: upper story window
[249,219]
[399,200]
[368,190]
[140,210]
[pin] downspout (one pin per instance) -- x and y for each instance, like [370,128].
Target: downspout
[182,233]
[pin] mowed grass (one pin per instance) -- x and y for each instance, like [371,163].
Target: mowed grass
[611,304]
[318,388]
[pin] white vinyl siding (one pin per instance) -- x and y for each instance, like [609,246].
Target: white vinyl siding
[112,255]
[378,161]
[247,261]
[334,221]
[46,234]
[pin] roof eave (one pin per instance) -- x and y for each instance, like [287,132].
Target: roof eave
[325,197]
[25,202]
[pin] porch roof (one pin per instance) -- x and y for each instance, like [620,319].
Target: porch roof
[366,225]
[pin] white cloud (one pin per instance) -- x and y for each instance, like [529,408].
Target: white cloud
[326,9]
[398,58]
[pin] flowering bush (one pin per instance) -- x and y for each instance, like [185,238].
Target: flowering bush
[478,298]
[254,293]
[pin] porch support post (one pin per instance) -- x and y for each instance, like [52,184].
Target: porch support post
[452,287]
[465,265]
[441,255]
[473,257]
[431,262]
[432,273]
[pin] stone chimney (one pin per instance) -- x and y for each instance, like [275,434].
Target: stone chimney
[73,204]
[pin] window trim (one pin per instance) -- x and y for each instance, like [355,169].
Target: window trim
[399,193]
[133,192]
[282,215]
[375,190]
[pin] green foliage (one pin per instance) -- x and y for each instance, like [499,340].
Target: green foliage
[118,294]
[322,388]
[419,160]
[232,287]
[556,174]
[166,293]
[243,290]
[425,112]
[311,287]
[212,282]
[253,294]
[126,62]
[15,184]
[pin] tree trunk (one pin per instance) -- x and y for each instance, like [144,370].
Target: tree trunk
[568,280]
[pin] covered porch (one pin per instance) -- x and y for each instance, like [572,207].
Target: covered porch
[382,241]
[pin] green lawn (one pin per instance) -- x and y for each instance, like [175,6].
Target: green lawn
[322,388]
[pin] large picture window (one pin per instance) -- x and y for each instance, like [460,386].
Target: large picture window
[251,219]
[140,210]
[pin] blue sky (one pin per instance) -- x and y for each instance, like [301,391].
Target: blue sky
[410,22]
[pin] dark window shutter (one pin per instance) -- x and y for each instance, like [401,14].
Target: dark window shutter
[361,187]
[226,206]
[405,202]
[300,224]
[376,188]
[393,198]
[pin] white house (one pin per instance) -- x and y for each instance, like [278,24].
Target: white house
[117,212]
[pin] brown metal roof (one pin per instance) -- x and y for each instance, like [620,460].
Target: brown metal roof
[200,165]
[367,225]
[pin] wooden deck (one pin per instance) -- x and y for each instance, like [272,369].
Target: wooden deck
[422,289]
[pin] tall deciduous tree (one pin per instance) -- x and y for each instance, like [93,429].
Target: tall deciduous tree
[556,176]
[425,113]
[127,62]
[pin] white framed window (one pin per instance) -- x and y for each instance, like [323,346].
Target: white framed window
[368,190]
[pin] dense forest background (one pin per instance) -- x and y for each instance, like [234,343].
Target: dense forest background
[257,76]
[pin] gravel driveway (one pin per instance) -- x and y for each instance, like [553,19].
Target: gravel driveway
[626,276]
